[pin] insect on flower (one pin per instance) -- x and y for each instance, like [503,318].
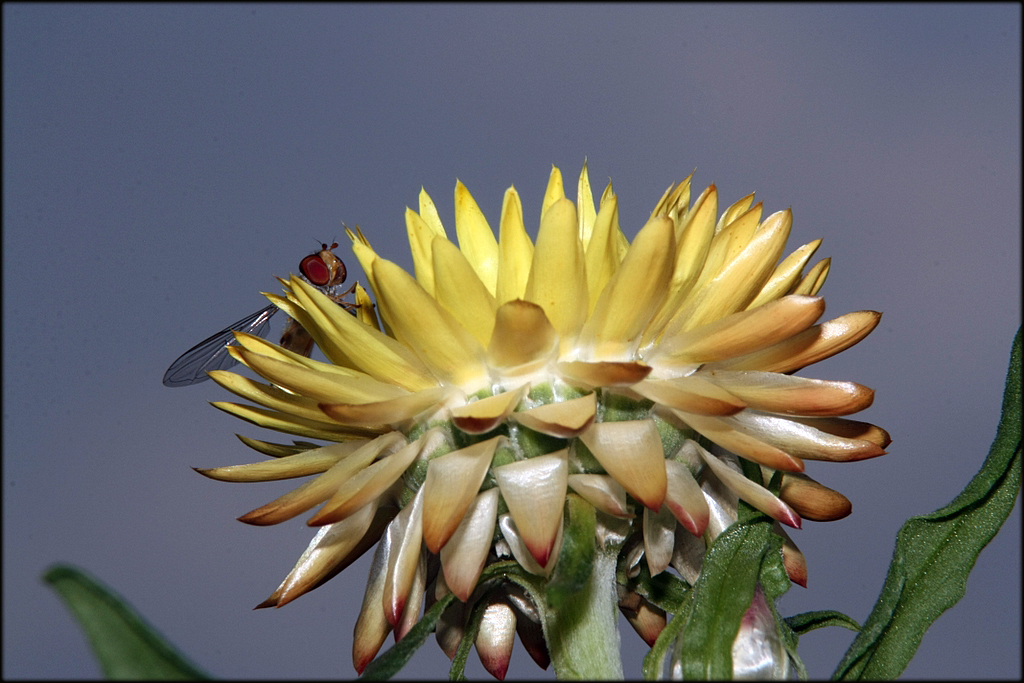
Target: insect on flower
[322,269]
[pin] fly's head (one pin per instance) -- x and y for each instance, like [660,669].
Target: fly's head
[323,268]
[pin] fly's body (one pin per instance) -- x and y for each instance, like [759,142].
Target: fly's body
[322,269]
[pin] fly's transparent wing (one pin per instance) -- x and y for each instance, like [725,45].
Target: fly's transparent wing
[212,353]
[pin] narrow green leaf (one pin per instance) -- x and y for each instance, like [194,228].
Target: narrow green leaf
[722,595]
[935,553]
[806,622]
[392,661]
[127,647]
[654,661]
[457,672]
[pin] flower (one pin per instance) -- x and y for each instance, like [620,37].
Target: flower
[509,376]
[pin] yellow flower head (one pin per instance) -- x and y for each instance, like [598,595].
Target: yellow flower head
[509,374]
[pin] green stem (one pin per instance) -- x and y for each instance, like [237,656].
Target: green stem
[583,634]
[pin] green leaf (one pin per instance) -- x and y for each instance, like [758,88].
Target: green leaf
[806,622]
[127,647]
[722,595]
[666,590]
[935,553]
[391,662]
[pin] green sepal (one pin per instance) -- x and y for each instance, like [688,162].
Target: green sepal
[576,557]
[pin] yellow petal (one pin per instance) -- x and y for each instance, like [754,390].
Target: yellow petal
[810,346]
[812,500]
[632,453]
[464,555]
[740,333]
[277,450]
[585,206]
[453,481]
[367,257]
[323,487]
[729,241]
[534,491]
[268,395]
[751,492]
[367,311]
[428,211]
[267,348]
[480,417]
[693,240]
[461,292]
[815,278]
[564,419]
[366,485]
[734,212]
[723,432]
[693,394]
[785,275]
[633,295]
[515,250]
[602,251]
[739,280]
[392,411]
[603,492]
[849,429]
[476,239]
[431,332]
[558,279]
[291,424]
[776,393]
[370,350]
[421,236]
[554,192]
[523,338]
[604,373]
[802,440]
[298,465]
[675,202]
[320,386]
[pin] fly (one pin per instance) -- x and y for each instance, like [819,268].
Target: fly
[322,269]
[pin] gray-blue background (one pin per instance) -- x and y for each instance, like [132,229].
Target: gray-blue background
[162,163]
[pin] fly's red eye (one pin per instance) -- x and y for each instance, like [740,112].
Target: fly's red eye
[315,270]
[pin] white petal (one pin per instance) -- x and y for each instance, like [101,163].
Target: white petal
[631,451]
[406,535]
[463,556]
[534,491]
[659,538]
